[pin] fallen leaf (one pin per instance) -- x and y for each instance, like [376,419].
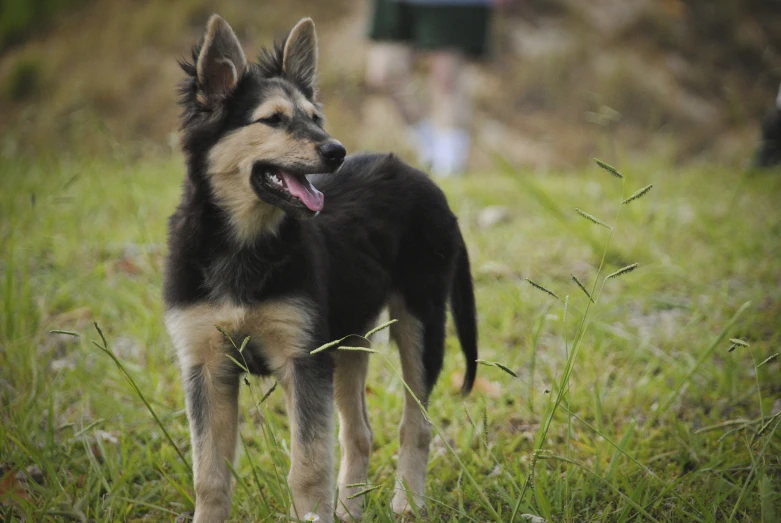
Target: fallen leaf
[11,488]
[482,385]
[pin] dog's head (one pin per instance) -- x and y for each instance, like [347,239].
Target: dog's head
[254,131]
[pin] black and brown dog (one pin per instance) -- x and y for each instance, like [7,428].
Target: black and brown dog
[264,248]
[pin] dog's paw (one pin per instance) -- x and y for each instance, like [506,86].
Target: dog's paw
[216,514]
[185,517]
[403,507]
[350,514]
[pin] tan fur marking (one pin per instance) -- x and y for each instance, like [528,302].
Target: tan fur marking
[283,329]
[213,451]
[275,104]
[415,430]
[305,105]
[355,433]
[230,167]
[311,465]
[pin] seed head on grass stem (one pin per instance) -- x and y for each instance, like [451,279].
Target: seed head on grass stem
[498,365]
[734,343]
[768,360]
[582,287]
[592,218]
[541,288]
[364,491]
[485,425]
[638,194]
[622,271]
[609,168]
[469,418]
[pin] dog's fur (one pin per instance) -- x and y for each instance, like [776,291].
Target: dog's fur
[248,256]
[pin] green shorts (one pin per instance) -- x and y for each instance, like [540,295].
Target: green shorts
[461,27]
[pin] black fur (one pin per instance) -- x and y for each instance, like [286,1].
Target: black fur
[386,228]
[314,393]
[196,392]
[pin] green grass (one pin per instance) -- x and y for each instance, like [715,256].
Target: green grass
[655,418]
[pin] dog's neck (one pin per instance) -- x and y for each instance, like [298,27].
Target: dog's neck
[247,219]
[250,222]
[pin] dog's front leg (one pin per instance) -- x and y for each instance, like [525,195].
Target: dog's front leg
[212,408]
[308,384]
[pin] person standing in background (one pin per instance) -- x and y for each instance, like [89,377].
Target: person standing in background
[769,152]
[451,31]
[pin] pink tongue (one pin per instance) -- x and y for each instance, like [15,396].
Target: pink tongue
[306,192]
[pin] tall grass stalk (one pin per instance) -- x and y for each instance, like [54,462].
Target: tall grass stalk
[266,429]
[107,350]
[571,354]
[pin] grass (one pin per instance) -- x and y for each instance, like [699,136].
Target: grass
[631,408]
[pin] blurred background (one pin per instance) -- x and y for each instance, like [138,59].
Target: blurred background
[565,80]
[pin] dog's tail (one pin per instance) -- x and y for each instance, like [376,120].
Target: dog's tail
[462,304]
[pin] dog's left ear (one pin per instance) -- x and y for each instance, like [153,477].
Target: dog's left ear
[299,58]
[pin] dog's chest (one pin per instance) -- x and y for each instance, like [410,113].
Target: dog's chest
[279,330]
[237,277]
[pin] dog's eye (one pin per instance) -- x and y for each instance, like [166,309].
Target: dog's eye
[317,119]
[274,119]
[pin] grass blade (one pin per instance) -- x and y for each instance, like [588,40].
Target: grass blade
[68,333]
[359,349]
[105,348]
[328,345]
[705,355]
[380,327]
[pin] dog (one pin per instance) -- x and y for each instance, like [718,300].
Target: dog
[281,238]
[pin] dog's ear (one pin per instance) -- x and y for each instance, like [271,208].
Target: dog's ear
[299,57]
[221,61]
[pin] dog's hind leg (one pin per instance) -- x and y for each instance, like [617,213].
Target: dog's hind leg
[420,339]
[211,387]
[355,433]
[309,391]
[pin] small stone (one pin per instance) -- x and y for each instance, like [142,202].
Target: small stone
[33,472]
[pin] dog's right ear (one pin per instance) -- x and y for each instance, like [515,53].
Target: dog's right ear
[221,61]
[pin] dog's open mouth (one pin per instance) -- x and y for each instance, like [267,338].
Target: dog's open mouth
[280,186]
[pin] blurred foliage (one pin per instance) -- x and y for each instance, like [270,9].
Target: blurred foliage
[24,79]
[19,18]
[680,77]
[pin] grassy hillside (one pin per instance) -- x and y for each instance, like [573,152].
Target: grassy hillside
[646,416]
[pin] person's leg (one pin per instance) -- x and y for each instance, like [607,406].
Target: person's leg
[389,69]
[451,33]
[450,113]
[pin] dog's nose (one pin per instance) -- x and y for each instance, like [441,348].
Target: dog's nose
[332,152]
